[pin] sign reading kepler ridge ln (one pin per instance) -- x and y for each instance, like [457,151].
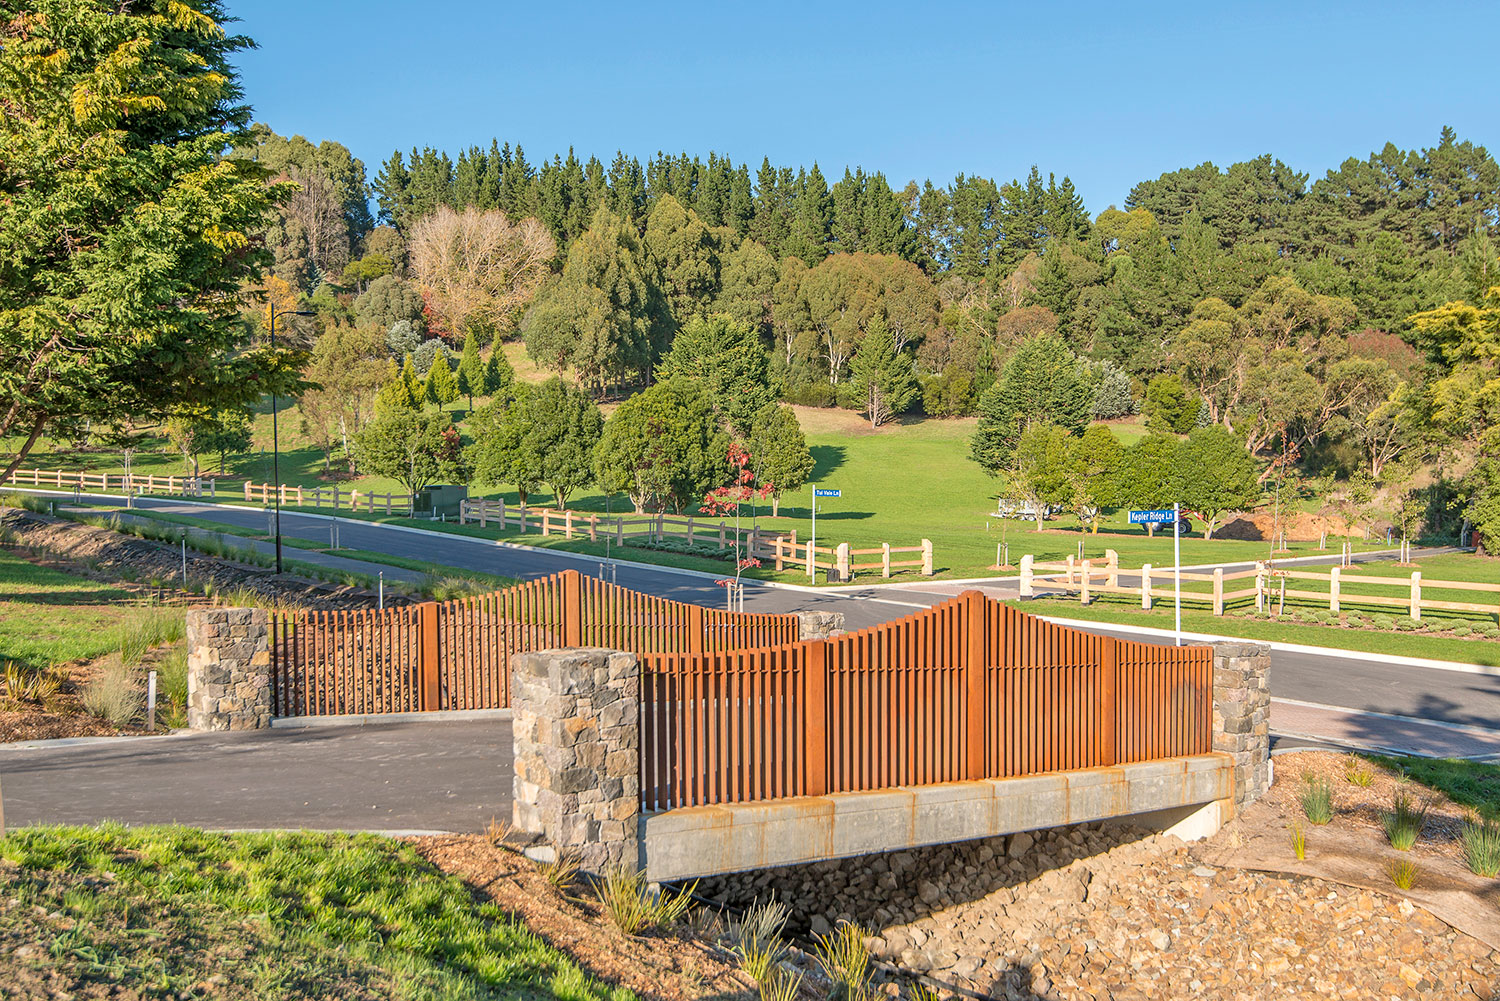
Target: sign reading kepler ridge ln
[1160,516]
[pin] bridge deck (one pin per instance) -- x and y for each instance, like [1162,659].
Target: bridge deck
[708,840]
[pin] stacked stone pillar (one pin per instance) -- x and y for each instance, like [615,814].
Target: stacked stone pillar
[229,669]
[1242,715]
[577,755]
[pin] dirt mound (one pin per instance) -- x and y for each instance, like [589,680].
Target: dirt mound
[1299,526]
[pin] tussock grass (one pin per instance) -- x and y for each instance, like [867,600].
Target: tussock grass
[756,939]
[1481,845]
[1299,841]
[1403,823]
[1404,873]
[845,958]
[112,693]
[1317,799]
[633,908]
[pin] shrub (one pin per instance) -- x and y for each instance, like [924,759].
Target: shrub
[562,872]
[111,694]
[1481,839]
[1461,631]
[1383,622]
[756,939]
[1403,873]
[1357,620]
[633,908]
[1404,822]
[845,958]
[1317,799]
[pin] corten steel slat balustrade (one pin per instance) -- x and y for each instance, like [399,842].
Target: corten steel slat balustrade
[456,654]
[969,689]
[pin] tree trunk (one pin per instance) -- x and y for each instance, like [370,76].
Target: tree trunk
[775,505]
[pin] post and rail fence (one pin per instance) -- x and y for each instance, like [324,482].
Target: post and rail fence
[1088,579]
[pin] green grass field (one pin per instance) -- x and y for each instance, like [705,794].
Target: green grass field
[49,617]
[157,912]
[900,484]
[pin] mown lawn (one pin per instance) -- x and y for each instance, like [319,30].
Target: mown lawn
[179,912]
[1468,783]
[905,482]
[50,617]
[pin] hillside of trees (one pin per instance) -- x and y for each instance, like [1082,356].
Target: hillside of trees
[1337,326]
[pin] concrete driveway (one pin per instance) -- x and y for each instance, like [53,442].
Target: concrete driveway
[449,775]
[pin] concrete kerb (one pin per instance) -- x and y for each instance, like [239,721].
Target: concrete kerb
[375,719]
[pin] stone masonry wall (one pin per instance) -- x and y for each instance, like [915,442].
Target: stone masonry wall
[229,669]
[1242,715]
[577,755]
[819,625]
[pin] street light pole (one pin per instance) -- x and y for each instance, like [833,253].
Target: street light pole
[275,438]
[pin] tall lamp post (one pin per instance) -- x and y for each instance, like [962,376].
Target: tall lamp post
[275,439]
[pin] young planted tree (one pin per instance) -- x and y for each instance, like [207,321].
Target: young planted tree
[199,431]
[882,383]
[416,449]
[395,393]
[347,369]
[1039,467]
[782,460]
[125,234]
[1094,464]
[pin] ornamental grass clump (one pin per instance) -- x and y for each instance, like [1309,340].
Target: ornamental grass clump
[1317,799]
[781,987]
[1481,841]
[756,939]
[633,908]
[1403,823]
[1404,873]
[1356,772]
[1299,841]
[845,958]
[112,695]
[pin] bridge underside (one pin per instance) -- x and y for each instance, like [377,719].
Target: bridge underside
[708,840]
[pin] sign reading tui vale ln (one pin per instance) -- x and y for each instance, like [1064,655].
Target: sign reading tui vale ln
[1160,516]
[825,492]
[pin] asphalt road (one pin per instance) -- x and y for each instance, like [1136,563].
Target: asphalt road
[404,776]
[1413,695]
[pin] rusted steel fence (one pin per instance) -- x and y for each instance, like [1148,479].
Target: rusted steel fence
[968,689]
[456,654]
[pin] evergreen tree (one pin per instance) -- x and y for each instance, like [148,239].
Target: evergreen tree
[395,393]
[728,361]
[414,388]
[499,376]
[1041,383]
[440,387]
[882,383]
[1213,474]
[471,370]
[664,447]
[779,452]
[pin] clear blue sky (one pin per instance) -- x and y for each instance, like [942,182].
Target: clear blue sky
[1108,93]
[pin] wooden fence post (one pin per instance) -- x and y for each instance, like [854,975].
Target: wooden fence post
[567,524]
[721,536]
[522,517]
[620,531]
[815,718]
[926,557]
[546,522]
[1108,657]
[1146,587]
[593,528]
[1025,587]
[812,565]
[1416,595]
[690,530]
[1218,590]
[1085,578]
[572,608]
[974,677]
[1113,580]
[428,671]
[1070,568]
[780,554]
[1333,590]
[885,559]
[841,562]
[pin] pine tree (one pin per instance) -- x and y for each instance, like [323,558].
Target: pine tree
[882,383]
[471,370]
[395,393]
[440,387]
[499,377]
[413,381]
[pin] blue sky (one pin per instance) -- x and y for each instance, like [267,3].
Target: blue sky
[1107,93]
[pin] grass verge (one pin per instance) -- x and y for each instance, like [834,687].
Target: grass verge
[166,911]
[1468,783]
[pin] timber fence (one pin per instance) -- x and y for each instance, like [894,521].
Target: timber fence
[77,480]
[1089,579]
[969,689]
[206,486]
[456,654]
[780,549]
[334,497]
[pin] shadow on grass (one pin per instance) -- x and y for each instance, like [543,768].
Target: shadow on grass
[826,458]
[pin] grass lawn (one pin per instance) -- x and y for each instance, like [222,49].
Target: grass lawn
[49,617]
[1469,783]
[1124,611]
[905,482]
[167,911]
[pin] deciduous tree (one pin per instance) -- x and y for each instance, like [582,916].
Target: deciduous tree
[477,268]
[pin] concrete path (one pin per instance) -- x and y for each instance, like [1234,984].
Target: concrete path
[445,776]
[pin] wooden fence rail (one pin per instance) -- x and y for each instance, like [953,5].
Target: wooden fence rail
[968,689]
[1087,579]
[334,497]
[64,479]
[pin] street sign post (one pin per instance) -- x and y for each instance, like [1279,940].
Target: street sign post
[817,492]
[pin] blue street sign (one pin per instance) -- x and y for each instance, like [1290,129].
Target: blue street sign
[824,492]
[1159,516]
